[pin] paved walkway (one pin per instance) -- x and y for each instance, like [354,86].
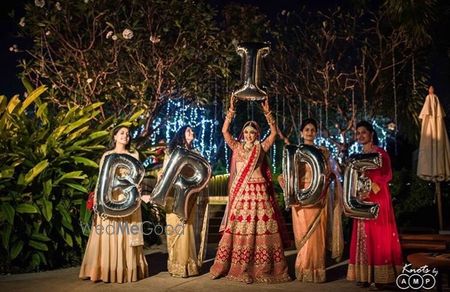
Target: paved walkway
[160,280]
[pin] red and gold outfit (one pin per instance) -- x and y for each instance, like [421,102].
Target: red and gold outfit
[375,252]
[251,248]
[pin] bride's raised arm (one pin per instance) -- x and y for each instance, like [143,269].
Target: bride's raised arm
[268,142]
[226,125]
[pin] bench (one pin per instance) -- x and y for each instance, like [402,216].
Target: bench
[425,242]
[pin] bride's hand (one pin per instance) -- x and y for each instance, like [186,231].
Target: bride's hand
[265,105]
[232,102]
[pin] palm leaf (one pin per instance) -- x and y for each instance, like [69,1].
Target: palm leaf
[8,211]
[40,237]
[26,209]
[77,187]
[136,115]
[35,171]
[85,161]
[38,245]
[6,234]
[12,104]
[16,249]
[71,175]
[47,209]
[76,124]
[32,97]
[2,103]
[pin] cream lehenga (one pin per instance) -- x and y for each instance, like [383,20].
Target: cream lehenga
[112,254]
[186,241]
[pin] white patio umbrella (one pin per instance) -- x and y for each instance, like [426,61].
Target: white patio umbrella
[434,150]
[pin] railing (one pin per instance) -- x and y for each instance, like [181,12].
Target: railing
[218,189]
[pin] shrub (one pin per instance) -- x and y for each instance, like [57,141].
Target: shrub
[48,166]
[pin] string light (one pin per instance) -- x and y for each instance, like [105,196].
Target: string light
[274,156]
[175,114]
[353,147]
[227,160]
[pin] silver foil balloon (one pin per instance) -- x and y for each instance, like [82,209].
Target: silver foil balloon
[110,182]
[251,54]
[355,182]
[184,186]
[293,158]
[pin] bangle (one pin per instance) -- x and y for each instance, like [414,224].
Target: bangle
[270,118]
[267,113]
[230,115]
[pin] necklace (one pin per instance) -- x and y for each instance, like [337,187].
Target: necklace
[248,148]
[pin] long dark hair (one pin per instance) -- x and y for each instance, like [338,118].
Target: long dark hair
[180,139]
[369,128]
[112,143]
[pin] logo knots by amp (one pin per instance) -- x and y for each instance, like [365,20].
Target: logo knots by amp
[415,279]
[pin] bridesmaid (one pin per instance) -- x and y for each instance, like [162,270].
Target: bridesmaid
[318,227]
[186,245]
[118,256]
[375,252]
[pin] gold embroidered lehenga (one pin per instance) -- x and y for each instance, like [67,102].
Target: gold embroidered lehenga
[112,254]
[251,247]
[186,246]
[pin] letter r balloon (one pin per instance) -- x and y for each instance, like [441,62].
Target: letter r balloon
[184,186]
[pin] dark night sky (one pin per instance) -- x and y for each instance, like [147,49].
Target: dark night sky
[10,85]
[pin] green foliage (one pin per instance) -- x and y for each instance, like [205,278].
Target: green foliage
[278,191]
[48,165]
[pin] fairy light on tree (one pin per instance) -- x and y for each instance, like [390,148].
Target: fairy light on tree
[333,140]
[175,114]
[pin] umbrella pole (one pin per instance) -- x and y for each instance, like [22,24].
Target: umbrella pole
[439,205]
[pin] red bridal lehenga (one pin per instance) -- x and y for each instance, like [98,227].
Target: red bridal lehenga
[375,252]
[251,248]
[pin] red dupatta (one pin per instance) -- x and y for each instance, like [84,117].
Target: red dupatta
[237,181]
